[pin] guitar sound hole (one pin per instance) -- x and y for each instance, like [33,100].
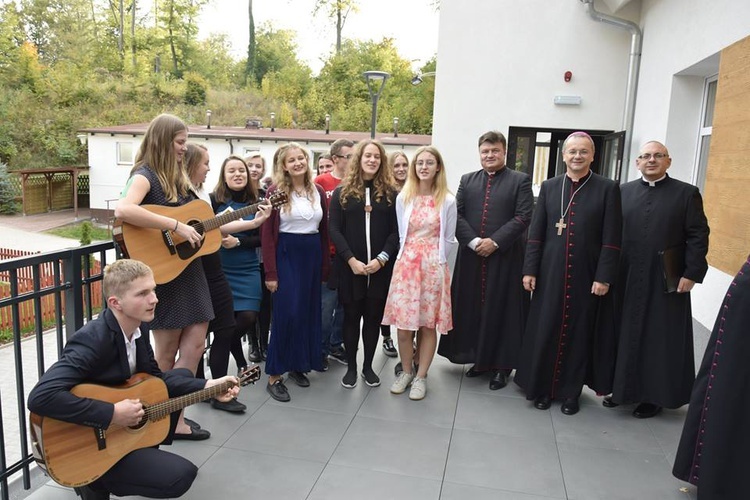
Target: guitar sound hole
[143,421]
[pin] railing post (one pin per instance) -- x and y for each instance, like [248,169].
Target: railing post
[73,294]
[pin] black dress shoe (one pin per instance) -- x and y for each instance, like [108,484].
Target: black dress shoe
[398,369]
[193,435]
[278,391]
[89,493]
[192,423]
[646,410]
[300,379]
[499,380]
[473,372]
[570,406]
[542,403]
[608,403]
[232,406]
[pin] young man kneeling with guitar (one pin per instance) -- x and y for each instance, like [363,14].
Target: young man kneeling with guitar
[101,439]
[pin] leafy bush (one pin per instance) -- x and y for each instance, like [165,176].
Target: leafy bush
[8,193]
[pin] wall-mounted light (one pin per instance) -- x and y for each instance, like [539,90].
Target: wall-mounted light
[273,121]
[328,123]
[82,138]
[418,78]
[208,118]
[568,100]
[395,126]
[568,76]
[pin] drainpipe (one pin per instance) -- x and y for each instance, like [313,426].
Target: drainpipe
[634,66]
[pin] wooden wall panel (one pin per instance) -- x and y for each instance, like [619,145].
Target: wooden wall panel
[727,190]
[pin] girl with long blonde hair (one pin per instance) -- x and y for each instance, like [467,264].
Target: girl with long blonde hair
[419,298]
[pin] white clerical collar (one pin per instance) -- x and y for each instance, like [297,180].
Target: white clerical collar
[653,183]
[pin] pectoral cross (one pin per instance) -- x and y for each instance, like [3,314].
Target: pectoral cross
[560,225]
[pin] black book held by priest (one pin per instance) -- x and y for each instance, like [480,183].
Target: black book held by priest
[672,266]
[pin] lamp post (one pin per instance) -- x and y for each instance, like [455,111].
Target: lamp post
[273,121]
[208,118]
[328,123]
[395,126]
[375,78]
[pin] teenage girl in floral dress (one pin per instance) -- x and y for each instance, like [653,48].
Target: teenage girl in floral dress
[419,298]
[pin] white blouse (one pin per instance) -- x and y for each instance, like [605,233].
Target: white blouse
[304,216]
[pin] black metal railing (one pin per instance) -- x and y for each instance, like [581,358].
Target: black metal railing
[72,292]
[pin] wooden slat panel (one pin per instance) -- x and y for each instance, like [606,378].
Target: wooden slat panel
[727,193]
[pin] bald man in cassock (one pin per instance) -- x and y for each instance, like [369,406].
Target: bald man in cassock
[655,365]
[571,263]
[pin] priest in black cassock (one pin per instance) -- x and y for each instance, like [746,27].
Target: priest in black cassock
[655,366]
[572,258]
[713,451]
[489,304]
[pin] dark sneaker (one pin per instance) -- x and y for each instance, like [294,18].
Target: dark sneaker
[388,347]
[325,363]
[339,354]
[399,369]
[350,379]
[278,391]
[371,378]
[300,379]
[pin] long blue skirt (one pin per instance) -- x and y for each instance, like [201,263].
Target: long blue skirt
[296,320]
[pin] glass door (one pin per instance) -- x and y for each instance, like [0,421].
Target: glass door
[612,157]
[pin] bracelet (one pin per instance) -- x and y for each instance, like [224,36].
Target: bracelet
[381,262]
[176,223]
[238,243]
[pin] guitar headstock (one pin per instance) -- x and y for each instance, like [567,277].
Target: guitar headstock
[249,375]
[278,199]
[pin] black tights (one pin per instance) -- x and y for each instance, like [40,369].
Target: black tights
[245,323]
[218,357]
[370,310]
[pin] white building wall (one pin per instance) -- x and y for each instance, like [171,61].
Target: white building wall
[501,62]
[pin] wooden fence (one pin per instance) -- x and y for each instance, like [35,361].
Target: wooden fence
[26,284]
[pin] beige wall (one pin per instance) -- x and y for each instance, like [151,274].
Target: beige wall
[727,191]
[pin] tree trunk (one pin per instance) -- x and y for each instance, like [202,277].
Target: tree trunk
[339,28]
[132,33]
[250,66]
[121,38]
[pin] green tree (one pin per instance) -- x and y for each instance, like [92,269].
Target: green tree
[275,50]
[338,10]
[250,63]
[8,193]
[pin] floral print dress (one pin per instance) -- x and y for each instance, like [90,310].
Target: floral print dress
[420,287]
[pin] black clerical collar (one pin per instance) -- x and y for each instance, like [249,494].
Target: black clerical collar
[653,183]
[496,172]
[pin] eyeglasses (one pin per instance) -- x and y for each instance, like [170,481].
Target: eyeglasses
[348,157]
[574,152]
[655,156]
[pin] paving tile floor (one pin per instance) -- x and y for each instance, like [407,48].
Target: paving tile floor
[462,441]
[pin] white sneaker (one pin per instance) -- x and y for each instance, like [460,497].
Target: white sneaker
[402,382]
[418,389]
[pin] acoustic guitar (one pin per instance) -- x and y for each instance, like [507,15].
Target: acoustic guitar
[166,252]
[76,455]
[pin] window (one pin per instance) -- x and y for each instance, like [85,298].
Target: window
[124,153]
[706,128]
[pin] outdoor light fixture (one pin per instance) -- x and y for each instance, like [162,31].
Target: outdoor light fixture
[395,126]
[568,100]
[419,76]
[273,121]
[82,139]
[208,118]
[375,78]
[328,123]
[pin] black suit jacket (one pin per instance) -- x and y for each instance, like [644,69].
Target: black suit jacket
[96,354]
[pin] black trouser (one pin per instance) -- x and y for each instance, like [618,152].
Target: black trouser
[151,472]
[370,312]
